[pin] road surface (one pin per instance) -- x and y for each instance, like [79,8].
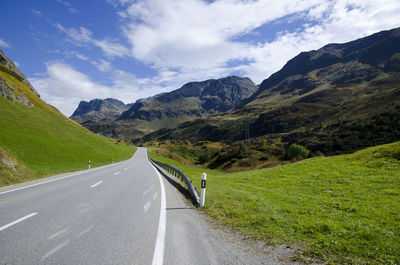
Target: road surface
[125,213]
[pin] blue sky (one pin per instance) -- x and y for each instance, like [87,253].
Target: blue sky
[129,49]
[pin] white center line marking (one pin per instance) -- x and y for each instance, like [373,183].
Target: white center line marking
[146,207]
[87,230]
[98,183]
[57,179]
[125,168]
[17,221]
[54,250]
[58,233]
[117,173]
[158,257]
[155,196]
[84,211]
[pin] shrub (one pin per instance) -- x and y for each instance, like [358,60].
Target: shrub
[296,151]
[205,157]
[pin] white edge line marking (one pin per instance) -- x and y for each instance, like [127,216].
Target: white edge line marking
[79,173]
[158,256]
[17,221]
[98,183]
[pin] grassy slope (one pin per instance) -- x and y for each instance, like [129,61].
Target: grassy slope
[41,141]
[343,209]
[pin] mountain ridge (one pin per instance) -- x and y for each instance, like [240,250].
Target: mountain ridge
[193,100]
[202,98]
[108,109]
[326,99]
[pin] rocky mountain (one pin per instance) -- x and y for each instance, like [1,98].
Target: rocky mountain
[8,89]
[99,110]
[340,98]
[193,100]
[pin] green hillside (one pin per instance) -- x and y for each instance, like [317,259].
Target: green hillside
[342,209]
[40,141]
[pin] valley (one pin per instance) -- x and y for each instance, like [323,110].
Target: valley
[308,160]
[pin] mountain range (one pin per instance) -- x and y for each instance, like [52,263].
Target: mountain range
[191,101]
[337,99]
[340,98]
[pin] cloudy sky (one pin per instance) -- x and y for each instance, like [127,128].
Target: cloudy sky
[73,50]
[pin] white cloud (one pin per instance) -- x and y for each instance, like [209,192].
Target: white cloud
[4,44]
[192,32]
[69,7]
[116,3]
[73,10]
[64,87]
[83,37]
[192,40]
[36,12]
[111,48]
[196,36]
[80,56]
[339,21]
[102,65]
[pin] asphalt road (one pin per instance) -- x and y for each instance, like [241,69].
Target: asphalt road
[124,213]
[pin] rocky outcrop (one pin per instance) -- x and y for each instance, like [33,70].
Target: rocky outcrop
[6,162]
[99,110]
[9,91]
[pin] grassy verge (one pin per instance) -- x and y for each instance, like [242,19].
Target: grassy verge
[343,209]
[40,141]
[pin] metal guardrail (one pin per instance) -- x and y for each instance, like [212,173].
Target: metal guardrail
[177,173]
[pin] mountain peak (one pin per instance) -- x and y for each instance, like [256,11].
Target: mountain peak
[371,50]
[99,110]
[192,100]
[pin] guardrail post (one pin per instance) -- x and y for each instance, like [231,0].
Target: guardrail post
[203,190]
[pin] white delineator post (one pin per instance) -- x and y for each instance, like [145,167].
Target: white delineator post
[203,190]
[89,164]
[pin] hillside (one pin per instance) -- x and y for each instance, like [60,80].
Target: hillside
[36,140]
[338,99]
[191,101]
[108,109]
[335,210]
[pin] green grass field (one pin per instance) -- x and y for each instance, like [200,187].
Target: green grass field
[342,209]
[40,141]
